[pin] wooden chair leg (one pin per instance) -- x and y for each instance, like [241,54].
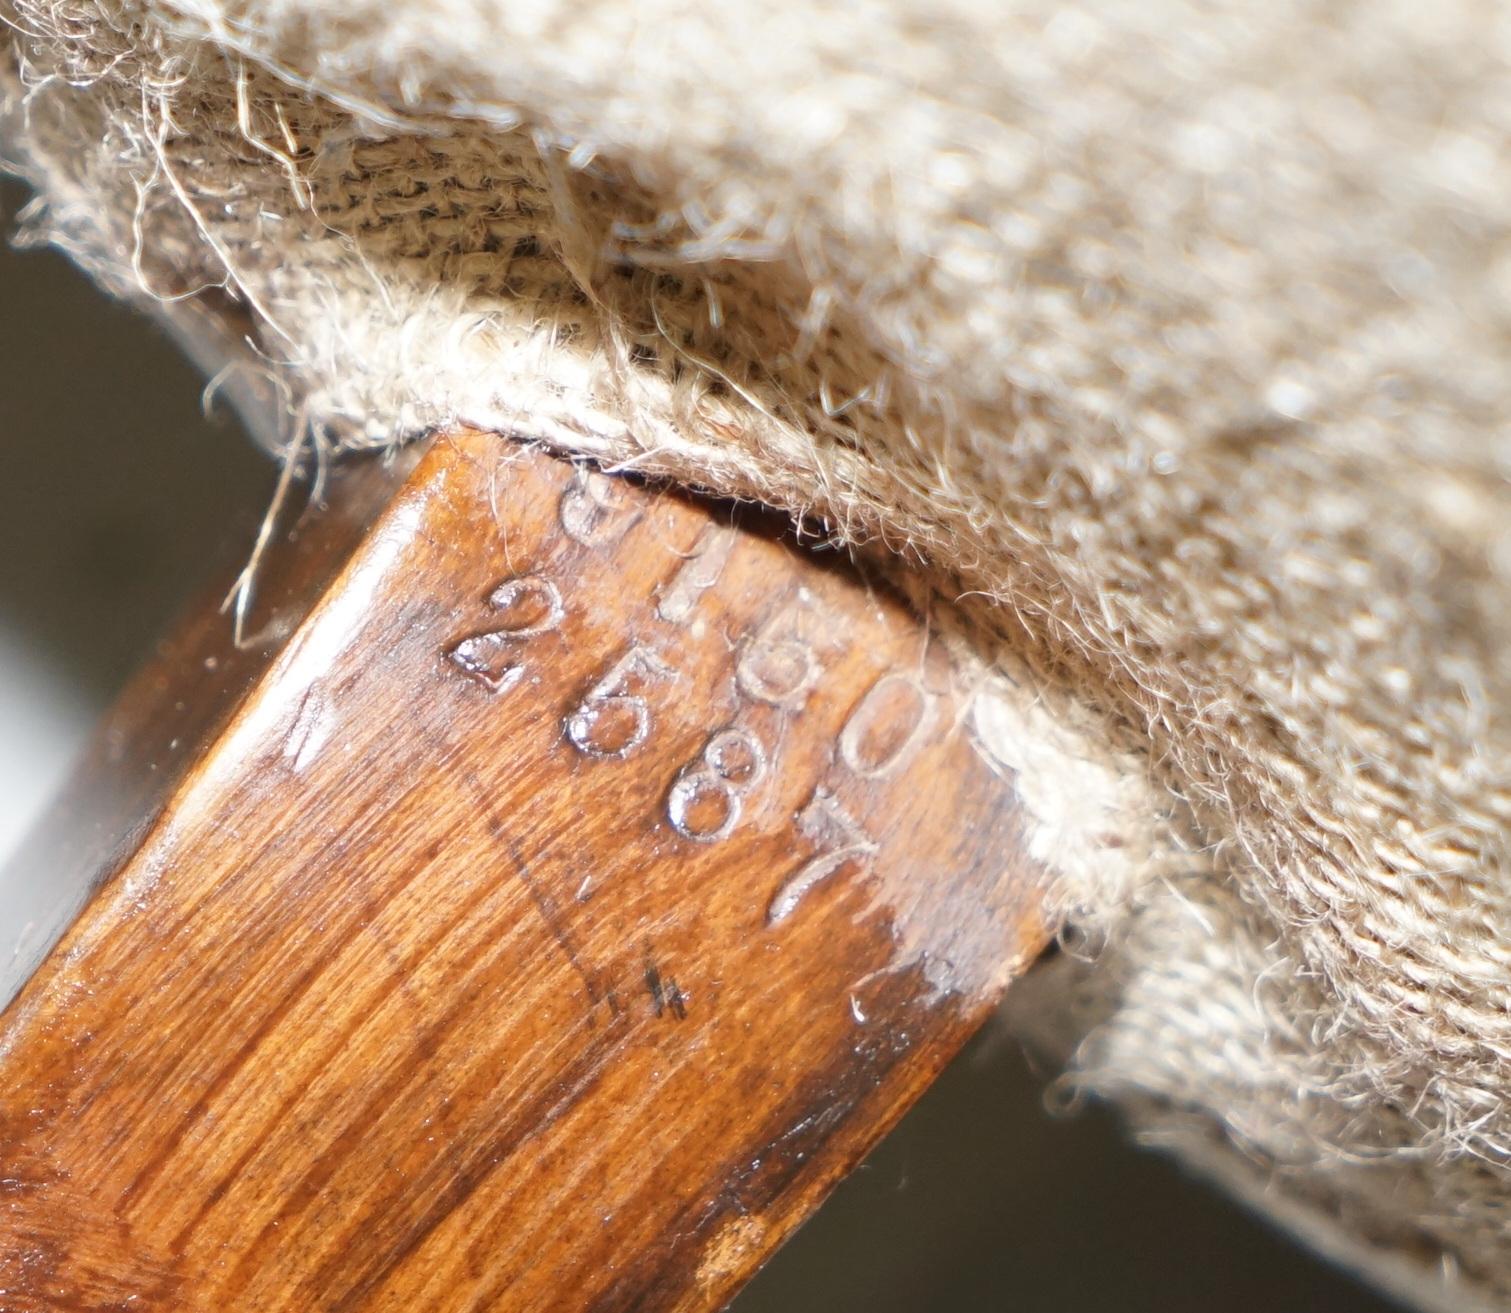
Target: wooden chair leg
[558,900]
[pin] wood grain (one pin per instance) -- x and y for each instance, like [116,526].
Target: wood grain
[173,710]
[587,881]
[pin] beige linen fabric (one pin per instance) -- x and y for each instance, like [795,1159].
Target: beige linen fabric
[1171,335]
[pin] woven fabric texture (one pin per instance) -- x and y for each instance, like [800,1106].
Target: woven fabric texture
[1169,338]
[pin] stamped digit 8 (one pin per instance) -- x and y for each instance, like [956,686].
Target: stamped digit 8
[707,800]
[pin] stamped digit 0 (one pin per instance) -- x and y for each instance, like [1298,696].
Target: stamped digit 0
[887,725]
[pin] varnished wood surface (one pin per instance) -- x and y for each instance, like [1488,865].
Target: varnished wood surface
[172,712]
[580,890]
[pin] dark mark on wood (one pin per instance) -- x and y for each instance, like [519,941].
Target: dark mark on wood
[665,994]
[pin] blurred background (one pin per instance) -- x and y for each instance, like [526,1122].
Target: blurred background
[117,492]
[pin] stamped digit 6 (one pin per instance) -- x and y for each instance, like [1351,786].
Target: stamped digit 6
[593,512]
[777,668]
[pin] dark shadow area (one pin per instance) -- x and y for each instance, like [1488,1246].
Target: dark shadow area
[980,1202]
[117,493]
[116,490]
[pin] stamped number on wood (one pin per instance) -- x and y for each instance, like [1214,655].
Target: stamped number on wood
[779,659]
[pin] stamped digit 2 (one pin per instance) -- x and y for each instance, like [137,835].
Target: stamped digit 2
[528,606]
